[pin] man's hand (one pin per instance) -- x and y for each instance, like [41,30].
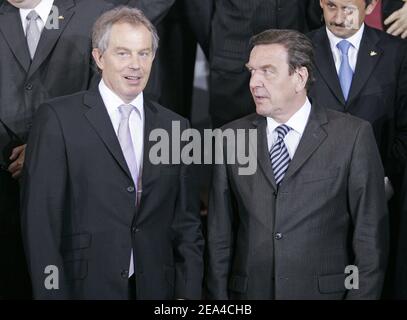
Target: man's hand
[17,156]
[398,22]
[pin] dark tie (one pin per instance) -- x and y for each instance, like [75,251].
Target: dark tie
[280,159]
[33,32]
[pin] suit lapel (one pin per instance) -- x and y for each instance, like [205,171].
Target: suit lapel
[312,137]
[326,65]
[150,172]
[263,157]
[49,37]
[99,118]
[12,30]
[368,56]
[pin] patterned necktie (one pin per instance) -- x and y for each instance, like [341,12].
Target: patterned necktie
[345,71]
[33,32]
[126,144]
[280,159]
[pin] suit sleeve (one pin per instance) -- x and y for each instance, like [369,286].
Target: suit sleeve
[220,234]
[188,240]
[43,203]
[369,215]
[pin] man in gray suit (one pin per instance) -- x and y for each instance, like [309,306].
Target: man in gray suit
[45,50]
[315,209]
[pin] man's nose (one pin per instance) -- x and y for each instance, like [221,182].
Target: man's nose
[339,17]
[135,62]
[255,79]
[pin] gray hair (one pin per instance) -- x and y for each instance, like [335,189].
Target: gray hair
[121,14]
[299,48]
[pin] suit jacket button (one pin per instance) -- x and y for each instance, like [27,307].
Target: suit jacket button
[134,229]
[28,86]
[278,236]
[125,274]
[130,189]
[275,193]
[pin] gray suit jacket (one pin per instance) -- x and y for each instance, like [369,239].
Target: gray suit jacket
[294,242]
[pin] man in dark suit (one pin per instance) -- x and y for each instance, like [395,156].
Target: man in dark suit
[316,203]
[115,225]
[369,81]
[42,56]
[233,23]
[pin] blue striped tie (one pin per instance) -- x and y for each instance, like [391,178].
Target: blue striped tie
[280,159]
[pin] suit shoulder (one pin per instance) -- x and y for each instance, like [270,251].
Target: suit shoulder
[165,113]
[68,101]
[241,123]
[345,120]
[315,33]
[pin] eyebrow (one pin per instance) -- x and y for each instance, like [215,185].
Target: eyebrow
[265,66]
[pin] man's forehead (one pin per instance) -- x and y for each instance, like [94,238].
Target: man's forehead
[345,3]
[268,52]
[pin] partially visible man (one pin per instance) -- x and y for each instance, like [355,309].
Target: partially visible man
[363,71]
[233,23]
[115,225]
[315,206]
[45,50]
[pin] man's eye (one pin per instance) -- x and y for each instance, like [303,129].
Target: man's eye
[122,53]
[145,54]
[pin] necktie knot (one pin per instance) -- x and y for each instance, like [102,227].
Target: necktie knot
[344,46]
[32,15]
[282,131]
[125,110]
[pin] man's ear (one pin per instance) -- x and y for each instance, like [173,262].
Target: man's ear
[302,78]
[369,9]
[98,57]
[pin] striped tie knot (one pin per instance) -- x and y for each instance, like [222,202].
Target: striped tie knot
[282,131]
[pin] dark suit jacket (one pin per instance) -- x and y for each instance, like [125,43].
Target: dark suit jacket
[234,23]
[155,10]
[79,214]
[294,242]
[62,65]
[378,93]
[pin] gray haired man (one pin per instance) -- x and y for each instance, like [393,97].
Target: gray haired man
[100,221]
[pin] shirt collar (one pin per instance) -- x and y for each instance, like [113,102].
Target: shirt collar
[43,9]
[354,40]
[113,101]
[297,122]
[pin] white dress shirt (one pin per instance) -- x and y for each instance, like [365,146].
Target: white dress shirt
[43,9]
[353,49]
[136,123]
[297,124]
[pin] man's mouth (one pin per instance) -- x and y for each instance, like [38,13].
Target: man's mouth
[132,78]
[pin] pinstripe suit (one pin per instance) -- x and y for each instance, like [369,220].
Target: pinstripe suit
[295,242]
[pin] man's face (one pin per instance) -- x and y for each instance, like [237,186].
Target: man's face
[272,87]
[24,4]
[345,17]
[127,61]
